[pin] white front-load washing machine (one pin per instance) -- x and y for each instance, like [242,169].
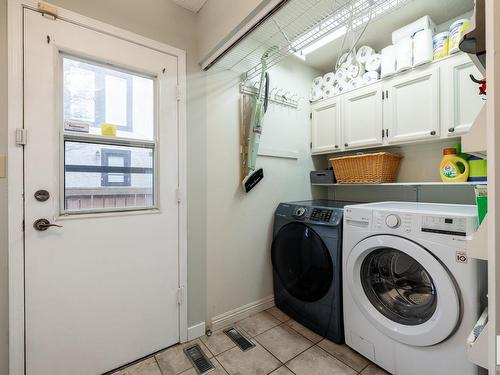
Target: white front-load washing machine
[411,293]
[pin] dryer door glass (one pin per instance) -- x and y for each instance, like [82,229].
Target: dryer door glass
[302,262]
[398,286]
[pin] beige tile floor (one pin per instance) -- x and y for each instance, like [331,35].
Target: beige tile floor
[283,347]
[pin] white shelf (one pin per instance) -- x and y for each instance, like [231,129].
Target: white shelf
[477,246]
[474,142]
[437,183]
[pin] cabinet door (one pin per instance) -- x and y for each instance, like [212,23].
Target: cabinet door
[362,117]
[462,100]
[325,127]
[411,106]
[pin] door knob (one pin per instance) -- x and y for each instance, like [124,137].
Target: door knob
[44,224]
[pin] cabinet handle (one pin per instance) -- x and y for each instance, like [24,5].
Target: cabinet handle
[451,130]
[433,132]
[346,145]
[336,146]
[387,94]
[383,95]
[387,133]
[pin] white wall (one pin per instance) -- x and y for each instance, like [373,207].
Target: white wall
[4,306]
[239,225]
[217,18]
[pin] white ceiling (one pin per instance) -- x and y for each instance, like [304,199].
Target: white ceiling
[192,5]
[378,33]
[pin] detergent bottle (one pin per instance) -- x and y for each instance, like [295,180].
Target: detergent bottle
[453,168]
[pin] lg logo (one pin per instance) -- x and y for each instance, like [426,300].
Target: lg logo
[461,257]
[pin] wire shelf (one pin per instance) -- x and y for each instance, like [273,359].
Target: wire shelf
[297,25]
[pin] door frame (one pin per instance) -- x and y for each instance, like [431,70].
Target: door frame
[15,182]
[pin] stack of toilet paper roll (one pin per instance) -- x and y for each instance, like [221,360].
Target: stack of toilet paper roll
[353,71]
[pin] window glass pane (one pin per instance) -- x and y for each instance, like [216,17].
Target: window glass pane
[101,177]
[94,94]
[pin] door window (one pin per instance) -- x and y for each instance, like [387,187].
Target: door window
[398,286]
[302,262]
[102,171]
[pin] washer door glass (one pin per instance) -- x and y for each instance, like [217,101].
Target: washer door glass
[398,286]
[302,262]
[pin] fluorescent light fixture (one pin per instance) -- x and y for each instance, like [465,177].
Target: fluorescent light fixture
[324,40]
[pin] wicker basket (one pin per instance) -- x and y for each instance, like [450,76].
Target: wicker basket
[381,167]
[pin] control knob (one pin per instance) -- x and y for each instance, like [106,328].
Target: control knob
[393,221]
[300,212]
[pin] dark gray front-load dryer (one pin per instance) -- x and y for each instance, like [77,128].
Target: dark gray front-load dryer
[307,263]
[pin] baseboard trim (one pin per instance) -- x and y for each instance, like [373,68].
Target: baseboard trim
[223,320]
[196,331]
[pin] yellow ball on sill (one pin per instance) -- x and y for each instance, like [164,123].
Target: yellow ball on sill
[108,130]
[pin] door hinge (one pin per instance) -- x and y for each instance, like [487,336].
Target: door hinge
[47,10]
[180,295]
[178,92]
[178,195]
[21,137]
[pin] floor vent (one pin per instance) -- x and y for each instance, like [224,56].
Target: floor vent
[240,340]
[199,360]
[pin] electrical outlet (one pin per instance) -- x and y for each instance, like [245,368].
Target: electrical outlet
[3,166]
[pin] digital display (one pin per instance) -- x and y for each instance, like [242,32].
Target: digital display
[448,221]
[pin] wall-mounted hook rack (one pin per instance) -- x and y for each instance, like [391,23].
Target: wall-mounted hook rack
[276,95]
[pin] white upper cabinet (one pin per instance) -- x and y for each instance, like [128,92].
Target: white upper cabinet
[460,97]
[325,129]
[411,106]
[362,117]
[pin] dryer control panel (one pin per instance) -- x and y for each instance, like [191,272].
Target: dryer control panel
[454,226]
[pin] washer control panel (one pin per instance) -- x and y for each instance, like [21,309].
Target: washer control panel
[321,215]
[386,220]
[453,226]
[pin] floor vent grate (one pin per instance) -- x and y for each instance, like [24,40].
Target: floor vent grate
[198,358]
[240,340]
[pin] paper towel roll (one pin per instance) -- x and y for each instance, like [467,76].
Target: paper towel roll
[328,78]
[356,83]
[371,76]
[409,30]
[345,60]
[318,81]
[404,54]
[329,91]
[364,52]
[388,65]
[422,47]
[356,69]
[316,94]
[341,87]
[373,63]
[341,75]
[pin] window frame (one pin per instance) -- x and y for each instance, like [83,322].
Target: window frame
[152,144]
[126,155]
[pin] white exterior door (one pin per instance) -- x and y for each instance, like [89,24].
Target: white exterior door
[461,99]
[411,106]
[362,117]
[100,290]
[325,131]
